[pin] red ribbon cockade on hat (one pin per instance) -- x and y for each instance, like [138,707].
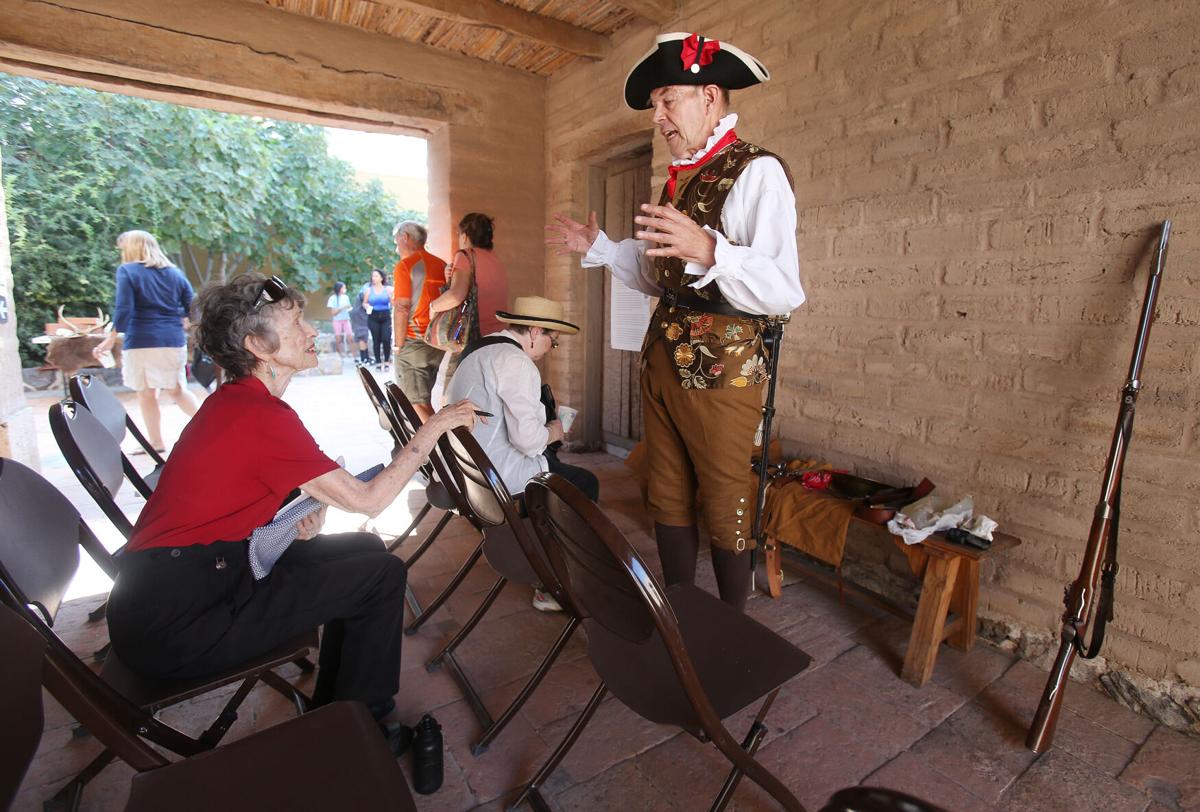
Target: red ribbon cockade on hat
[673,170]
[698,52]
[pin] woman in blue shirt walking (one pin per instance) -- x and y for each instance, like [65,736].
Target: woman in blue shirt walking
[377,301]
[151,309]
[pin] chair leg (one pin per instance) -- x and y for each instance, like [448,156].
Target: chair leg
[228,714]
[485,741]
[98,613]
[531,792]
[476,616]
[298,697]
[396,542]
[420,551]
[750,743]
[458,578]
[746,763]
[67,799]
[101,654]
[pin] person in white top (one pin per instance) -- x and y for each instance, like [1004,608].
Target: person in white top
[720,251]
[499,375]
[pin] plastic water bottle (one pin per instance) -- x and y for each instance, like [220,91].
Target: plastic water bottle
[427,756]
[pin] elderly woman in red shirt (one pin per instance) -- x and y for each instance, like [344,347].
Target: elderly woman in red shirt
[186,602]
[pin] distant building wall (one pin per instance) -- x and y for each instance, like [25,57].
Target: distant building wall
[977,183]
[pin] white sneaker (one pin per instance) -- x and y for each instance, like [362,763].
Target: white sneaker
[544,602]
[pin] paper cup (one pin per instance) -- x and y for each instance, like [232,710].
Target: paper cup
[567,415]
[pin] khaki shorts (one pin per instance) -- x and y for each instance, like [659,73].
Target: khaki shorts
[699,438]
[416,370]
[154,368]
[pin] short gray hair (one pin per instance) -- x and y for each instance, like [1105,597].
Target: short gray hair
[415,231]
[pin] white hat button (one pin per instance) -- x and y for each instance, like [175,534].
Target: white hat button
[695,67]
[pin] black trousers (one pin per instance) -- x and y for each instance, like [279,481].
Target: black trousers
[581,478]
[195,611]
[379,322]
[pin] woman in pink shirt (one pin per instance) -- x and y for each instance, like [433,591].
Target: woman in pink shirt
[475,241]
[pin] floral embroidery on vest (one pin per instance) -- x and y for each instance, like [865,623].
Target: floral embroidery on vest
[710,351]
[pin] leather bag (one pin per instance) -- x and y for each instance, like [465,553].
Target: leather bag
[451,330]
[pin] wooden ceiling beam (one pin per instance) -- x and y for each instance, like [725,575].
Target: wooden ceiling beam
[656,11]
[511,20]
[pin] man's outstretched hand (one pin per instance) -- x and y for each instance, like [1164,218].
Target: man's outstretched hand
[676,235]
[571,237]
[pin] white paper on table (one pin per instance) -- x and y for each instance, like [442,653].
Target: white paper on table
[629,316]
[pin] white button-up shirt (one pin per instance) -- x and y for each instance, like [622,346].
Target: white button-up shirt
[757,265]
[503,380]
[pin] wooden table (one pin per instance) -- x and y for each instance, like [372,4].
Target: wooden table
[949,602]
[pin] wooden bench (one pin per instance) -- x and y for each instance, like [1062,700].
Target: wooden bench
[949,602]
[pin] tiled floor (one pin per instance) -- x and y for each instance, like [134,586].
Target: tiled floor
[848,720]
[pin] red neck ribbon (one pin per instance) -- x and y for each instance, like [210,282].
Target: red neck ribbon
[673,170]
[696,49]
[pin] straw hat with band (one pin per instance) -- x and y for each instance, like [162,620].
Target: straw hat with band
[690,59]
[535,311]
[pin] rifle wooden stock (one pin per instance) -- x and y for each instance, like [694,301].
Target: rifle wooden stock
[1097,558]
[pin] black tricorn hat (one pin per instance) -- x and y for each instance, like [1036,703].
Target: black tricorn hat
[690,59]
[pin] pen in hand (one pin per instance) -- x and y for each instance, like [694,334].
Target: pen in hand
[483,414]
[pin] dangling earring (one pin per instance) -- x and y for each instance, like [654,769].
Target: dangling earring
[271,369]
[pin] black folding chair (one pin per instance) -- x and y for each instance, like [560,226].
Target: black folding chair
[39,554]
[675,657]
[331,758]
[95,396]
[512,552]
[96,460]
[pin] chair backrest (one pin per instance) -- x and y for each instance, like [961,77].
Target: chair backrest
[94,457]
[97,398]
[605,577]
[379,404]
[114,720]
[39,547]
[489,500]
[20,701]
[405,423]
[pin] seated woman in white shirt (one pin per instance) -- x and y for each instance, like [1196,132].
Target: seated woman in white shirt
[500,374]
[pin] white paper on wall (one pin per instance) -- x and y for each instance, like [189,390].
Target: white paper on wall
[629,316]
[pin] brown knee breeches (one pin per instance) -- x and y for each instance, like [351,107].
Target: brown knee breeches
[699,438]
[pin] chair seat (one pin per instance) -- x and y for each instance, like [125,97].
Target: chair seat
[152,694]
[737,659]
[438,496]
[301,764]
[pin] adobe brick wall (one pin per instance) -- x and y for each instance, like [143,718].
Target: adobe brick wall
[977,183]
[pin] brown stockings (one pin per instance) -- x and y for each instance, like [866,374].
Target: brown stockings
[677,549]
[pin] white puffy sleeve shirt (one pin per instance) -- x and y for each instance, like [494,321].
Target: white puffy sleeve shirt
[757,265]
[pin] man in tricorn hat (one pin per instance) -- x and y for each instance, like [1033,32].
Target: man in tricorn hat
[720,251]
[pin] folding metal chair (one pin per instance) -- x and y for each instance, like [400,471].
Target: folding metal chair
[95,396]
[95,458]
[512,552]
[39,554]
[675,657]
[331,758]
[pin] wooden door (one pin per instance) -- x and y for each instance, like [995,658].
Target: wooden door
[626,188]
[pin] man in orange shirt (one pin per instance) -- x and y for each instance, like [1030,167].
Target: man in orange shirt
[418,280]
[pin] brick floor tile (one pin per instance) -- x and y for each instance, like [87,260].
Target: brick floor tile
[976,750]
[624,786]
[1094,745]
[1167,768]
[686,770]
[1060,781]
[614,734]
[510,762]
[501,650]
[822,646]
[513,598]
[816,759]
[562,693]
[914,775]
[966,673]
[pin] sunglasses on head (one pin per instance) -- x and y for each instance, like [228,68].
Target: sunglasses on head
[273,290]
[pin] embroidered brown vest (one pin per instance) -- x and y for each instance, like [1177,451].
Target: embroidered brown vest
[709,350]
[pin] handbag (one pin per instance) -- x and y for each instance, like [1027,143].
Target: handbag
[451,330]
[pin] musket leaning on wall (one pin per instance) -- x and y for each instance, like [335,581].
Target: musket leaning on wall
[1100,556]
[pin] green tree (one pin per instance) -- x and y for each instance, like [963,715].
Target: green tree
[223,193]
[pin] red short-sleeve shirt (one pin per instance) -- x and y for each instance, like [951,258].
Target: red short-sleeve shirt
[240,455]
